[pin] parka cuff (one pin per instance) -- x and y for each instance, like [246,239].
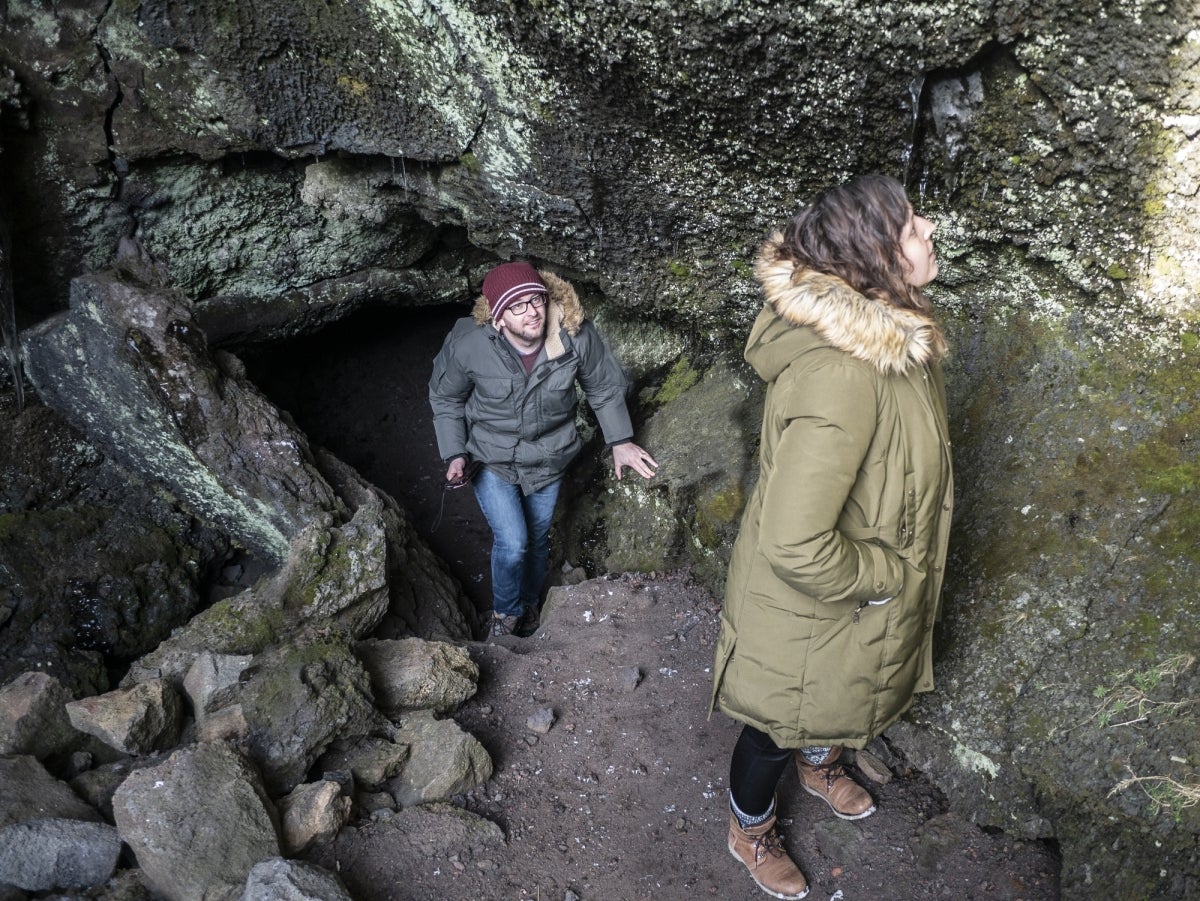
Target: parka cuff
[888,580]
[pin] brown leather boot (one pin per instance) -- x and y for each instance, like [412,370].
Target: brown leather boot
[761,850]
[829,782]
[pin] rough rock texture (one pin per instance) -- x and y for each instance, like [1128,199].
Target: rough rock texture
[703,428]
[33,719]
[292,880]
[147,717]
[98,784]
[425,600]
[333,576]
[313,812]
[95,565]
[371,761]
[410,674]
[128,364]
[268,158]
[443,761]
[197,823]
[40,855]
[31,793]
[296,700]
[210,679]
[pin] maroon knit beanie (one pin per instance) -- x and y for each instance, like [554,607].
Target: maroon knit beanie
[507,282]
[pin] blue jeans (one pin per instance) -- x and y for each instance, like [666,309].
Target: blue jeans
[520,539]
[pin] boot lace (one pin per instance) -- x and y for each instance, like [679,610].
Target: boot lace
[832,773]
[770,843]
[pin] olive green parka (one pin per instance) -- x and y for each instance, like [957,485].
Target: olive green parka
[834,583]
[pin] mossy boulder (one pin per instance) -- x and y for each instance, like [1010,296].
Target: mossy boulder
[703,438]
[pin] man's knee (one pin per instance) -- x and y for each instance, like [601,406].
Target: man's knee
[511,552]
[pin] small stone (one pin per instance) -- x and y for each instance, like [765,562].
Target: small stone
[570,896]
[880,749]
[872,767]
[371,802]
[681,825]
[531,740]
[541,720]
[630,677]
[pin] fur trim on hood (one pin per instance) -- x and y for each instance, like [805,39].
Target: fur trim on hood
[563,311]
[893,339]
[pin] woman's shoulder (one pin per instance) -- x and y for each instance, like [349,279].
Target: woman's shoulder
[821,358]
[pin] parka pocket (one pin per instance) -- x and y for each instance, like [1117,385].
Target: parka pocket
[490,401]
[493,389]
[560,394]
[908,516]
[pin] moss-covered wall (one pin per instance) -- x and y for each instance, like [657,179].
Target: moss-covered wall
[287,163]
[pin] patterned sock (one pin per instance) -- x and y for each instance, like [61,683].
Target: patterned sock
[815,756]
[745,820]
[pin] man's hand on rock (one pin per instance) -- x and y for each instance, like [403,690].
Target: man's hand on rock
[629,454]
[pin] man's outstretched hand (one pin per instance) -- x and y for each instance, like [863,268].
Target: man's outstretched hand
[629,454]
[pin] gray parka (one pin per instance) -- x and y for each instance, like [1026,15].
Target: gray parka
[852,508]
[522,427]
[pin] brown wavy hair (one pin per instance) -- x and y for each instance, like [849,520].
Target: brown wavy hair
[853,231]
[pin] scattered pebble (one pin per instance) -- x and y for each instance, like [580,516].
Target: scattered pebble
[630,677]
[541,720]
[872,767]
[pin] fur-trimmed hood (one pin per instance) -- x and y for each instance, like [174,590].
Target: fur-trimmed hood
[563,311]
[892,339]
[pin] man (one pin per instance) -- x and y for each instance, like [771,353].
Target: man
[503,396]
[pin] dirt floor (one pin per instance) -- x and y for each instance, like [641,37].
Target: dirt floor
[623,796]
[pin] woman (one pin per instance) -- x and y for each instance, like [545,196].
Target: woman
[833,587]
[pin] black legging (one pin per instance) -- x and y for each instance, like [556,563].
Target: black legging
[754,771]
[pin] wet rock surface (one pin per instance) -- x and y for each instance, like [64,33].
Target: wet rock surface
[644,149]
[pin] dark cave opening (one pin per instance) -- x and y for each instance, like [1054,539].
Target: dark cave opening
[360,389]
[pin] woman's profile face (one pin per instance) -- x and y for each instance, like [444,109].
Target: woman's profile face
[916,246]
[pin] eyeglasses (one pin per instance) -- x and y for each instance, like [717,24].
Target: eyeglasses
[522,306]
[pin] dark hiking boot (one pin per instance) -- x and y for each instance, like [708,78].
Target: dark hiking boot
[829,782]
[528,622]
[761,850]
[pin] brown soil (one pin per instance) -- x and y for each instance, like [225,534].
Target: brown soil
[625,796]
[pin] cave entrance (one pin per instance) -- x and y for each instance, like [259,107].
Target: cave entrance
[360,389]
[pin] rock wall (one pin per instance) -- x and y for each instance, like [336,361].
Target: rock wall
[288,162]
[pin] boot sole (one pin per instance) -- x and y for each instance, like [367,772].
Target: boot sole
[803,894]
[845,816]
